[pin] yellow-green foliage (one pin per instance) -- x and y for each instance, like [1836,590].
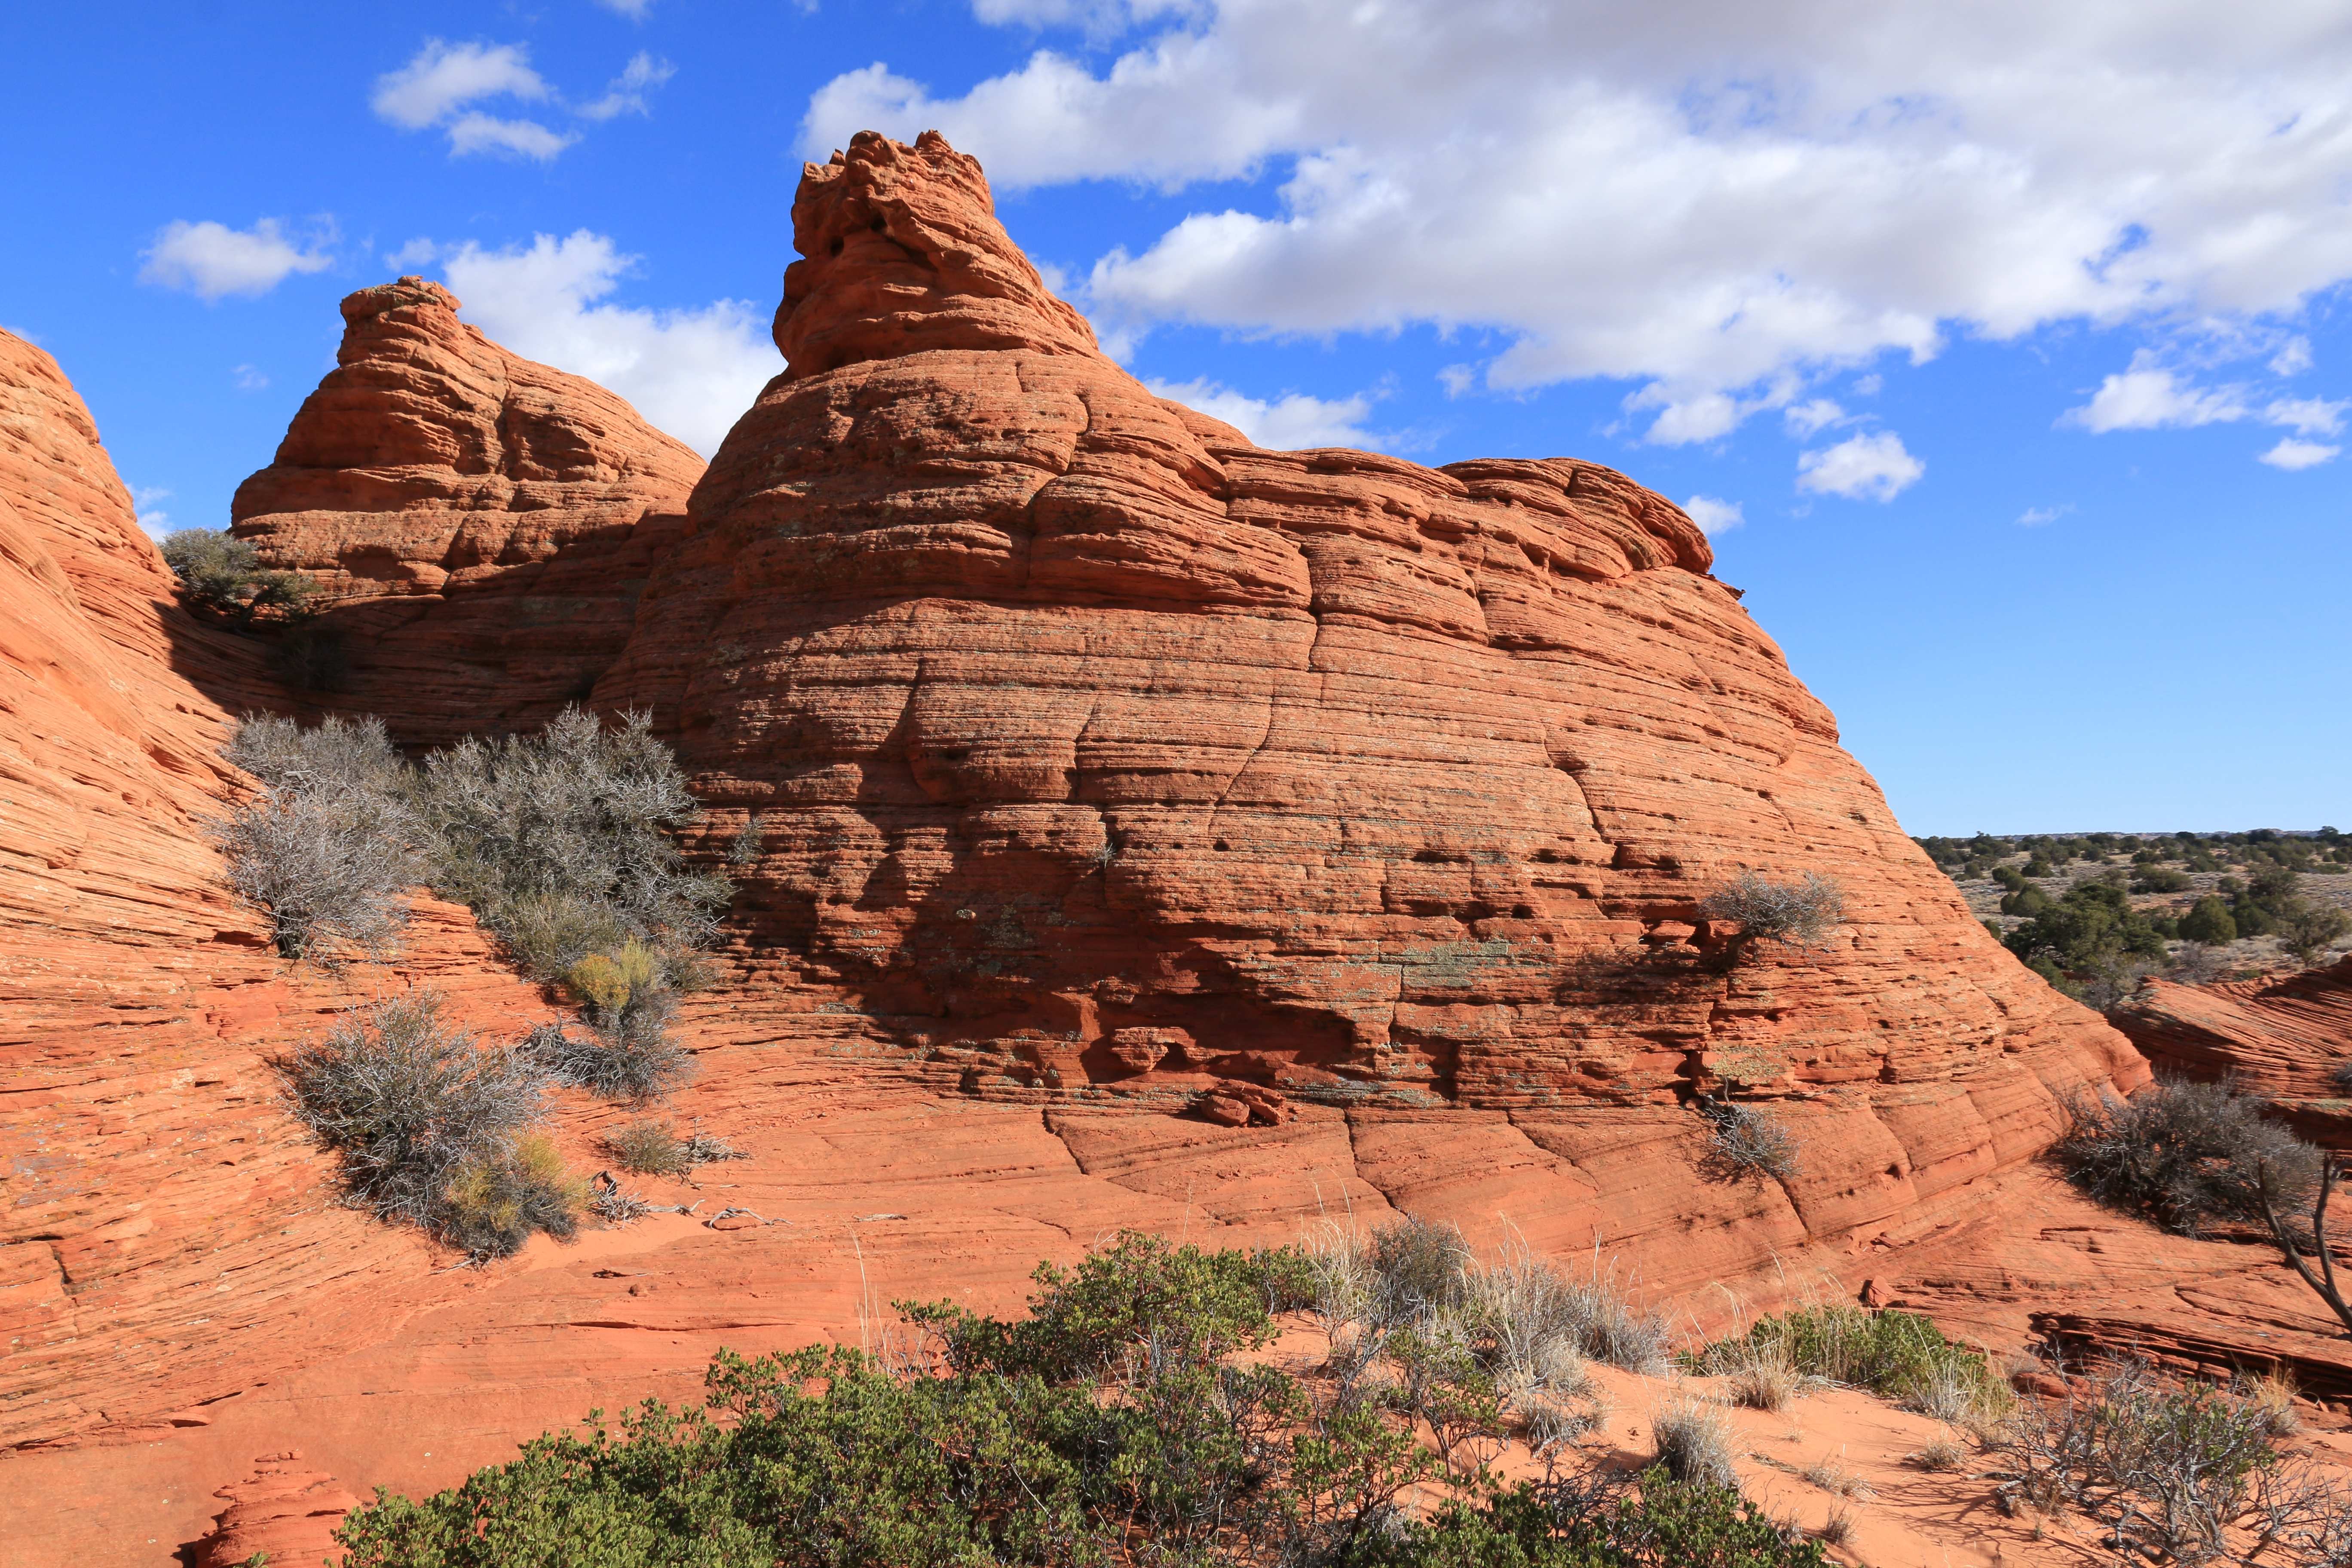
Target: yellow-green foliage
[496,1201]
[606,981]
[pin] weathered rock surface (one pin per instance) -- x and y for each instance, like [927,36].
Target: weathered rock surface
[483,522]
[1100,753]
[2285,1040]
[284,1508]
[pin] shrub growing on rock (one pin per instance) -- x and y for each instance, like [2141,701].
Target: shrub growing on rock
[430,1126]
[560,839]
[223,574]
[2186,1154]
[499,1198]
[329,849]
[1747,1141]
[1801,913]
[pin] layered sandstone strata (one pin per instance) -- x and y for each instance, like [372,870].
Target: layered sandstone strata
[1098,751]
[2284,1038]
[482,522]
[160,1219]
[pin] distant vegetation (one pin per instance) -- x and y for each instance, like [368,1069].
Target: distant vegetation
[223,574]
[2093,914]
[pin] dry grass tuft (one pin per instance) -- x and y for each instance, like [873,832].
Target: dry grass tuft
[1837,1480]
[1943,1453]
[1694,1443]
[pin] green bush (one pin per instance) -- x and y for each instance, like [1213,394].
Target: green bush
[225,574]
[2092,939]
[2186,1154]
[2207,921]
[1121,1423]
[498,1199]
[1899,1354]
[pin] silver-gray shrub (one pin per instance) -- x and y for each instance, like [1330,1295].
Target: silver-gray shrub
[328,849]
[562,841]
[407,1099]
[1799,913]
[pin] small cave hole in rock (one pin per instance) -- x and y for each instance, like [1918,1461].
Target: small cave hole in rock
[1223,846]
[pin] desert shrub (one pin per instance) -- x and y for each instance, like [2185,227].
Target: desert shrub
[499,1198]
[1694,1443]
[1941,1454]
[329,849]
[1121,1422]
[411,1103]
[225,574]
[1899,1354]
[2092,939]
[2342,1078]
[1419,1269]
[563,839]
[2168,1471]
[649,1149]
[1801,913]
[2158,879]
[635,1067]
[1746,1142]
[2185,1155]
[2309,930]
[1766,1381]
[2028,900]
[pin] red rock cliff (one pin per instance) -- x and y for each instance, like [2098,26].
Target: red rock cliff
[485,522]
[1099,751]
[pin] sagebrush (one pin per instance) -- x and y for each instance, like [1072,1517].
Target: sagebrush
[433,1128]
[1802,912]
[329,849]
[2186,1155]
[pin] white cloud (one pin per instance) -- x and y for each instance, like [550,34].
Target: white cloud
[212,259]
[626,95]
[1862,468]
[2042,516]
[1807,418]
[2294,359]
[2292,454]
[1704,196]
[152,517]
[1457,379]
[517,138]
[1713,516]
[689,372]
[416,253]
[443,79]
[249,378]
[634,10]
[1291,423]
[2146,397]
[2308,416]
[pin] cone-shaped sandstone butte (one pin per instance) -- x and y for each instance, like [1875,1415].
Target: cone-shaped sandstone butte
[1097,751]
[483,523]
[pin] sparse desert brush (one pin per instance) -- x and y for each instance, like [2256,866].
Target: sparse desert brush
[634,1069]
[2186,1154]
[1899,1354]
[1838,1529]
[1837,1480]
[1942,1453]
[1694,1443]
[499,1198]
[649,1149]
[2271,1395]
[225,575]
[1766,1381]
[1746,1142]
[431,1129]
[1798,913]
[329,849]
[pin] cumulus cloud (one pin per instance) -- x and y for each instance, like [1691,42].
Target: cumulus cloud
[2308,416]
[2292,454]
[151,517]
[1862,468]
[2149,397]
[1810,418]
[1291,423]
[211,260]
[1699,198]
[626,95]
[444,83]
[1713,516]
[444,78]
[689,372]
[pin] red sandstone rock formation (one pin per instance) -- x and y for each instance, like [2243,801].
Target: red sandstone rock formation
[283,1509]
[1101,753]
[2285,1040]
[486,522]
[162,1219]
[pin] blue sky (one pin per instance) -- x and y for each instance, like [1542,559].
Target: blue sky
[2004,345]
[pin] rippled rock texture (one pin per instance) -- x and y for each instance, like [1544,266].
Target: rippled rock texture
[483,523]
